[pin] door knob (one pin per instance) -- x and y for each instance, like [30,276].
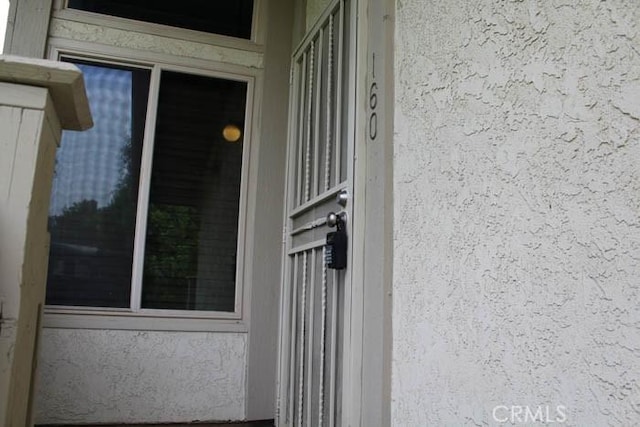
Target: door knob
[336,219]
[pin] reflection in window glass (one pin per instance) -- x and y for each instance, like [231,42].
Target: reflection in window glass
[95,190]
[229,18]
[192,225]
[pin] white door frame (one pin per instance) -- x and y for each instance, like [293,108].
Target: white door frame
[367,394]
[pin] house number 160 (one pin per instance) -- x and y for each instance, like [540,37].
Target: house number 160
[373,102]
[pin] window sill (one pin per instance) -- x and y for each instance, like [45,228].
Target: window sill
[138,322]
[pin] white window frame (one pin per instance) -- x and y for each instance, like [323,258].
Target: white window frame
[135,317]
[255,43]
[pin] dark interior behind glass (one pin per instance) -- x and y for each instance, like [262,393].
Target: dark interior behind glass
[192,223]
[229,18]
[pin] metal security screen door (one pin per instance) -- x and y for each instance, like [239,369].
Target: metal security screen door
[319,181]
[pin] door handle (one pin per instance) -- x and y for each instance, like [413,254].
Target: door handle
[337,220]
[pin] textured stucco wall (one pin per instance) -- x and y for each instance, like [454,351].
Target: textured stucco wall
[98,376]
[152,44]
[517,196]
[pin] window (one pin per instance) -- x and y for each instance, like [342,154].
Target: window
[181,253]
[95,192]
[230,18]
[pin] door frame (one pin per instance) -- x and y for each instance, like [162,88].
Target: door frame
[369,396]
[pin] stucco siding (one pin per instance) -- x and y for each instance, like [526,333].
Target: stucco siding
[517,196]
[163,45]
[100,376]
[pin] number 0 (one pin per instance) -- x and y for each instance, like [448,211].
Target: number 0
[373,126]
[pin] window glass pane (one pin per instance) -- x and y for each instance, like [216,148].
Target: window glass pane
[192,229]
[95,190]
[230,18]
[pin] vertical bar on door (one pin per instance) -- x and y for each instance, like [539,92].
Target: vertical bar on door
[307,163]
[311,311]
[339,75]
[334,350]
[302,337]
[323,326]
[299,106]
[292,344]
[327,147]
[316,125]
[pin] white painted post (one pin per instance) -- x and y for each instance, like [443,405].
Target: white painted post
[38,99]
[27,27]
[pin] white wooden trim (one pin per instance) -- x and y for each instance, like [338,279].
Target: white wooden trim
[27,97]
[144,312]
[146,167]
[351,363]
[139,322]
[27,26]
[247,205]
[259,23]
[22,96]
[11,24]
[368,398]
[287,322]
[138,57]
[64,82]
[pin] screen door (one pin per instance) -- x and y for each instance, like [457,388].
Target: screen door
[319,182]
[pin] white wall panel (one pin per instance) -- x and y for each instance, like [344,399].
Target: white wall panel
[100,376]
[517,193]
